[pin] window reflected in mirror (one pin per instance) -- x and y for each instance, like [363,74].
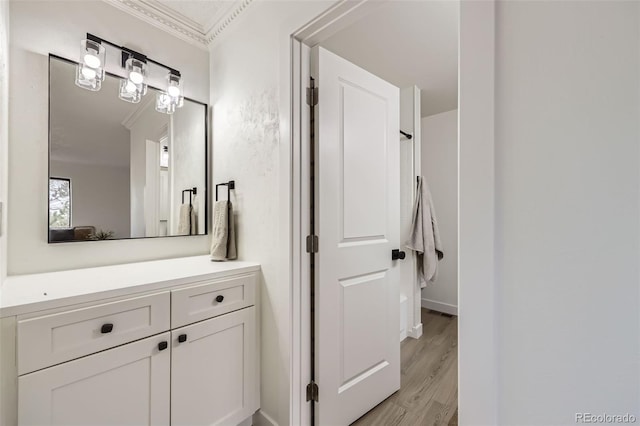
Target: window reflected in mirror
[59,203]
[129,163]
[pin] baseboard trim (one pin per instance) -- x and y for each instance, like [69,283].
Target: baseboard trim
[416,331]
[440,307]
[260,418]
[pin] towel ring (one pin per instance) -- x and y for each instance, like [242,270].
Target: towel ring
[230,185]
[192,191]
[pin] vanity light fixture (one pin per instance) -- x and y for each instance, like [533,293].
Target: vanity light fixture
[90,69]
[133,86]
[172,98]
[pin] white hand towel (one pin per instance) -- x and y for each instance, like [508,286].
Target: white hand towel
[424,237]
[223,238]
[187,221]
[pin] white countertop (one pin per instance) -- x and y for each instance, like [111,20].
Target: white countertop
[21,294]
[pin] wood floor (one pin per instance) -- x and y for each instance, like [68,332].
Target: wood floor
[428,392]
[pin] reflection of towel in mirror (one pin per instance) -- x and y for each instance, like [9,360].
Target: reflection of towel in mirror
[223,238]
[424,237]
[187,222]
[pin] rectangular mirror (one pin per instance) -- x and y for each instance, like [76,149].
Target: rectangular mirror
[122,170]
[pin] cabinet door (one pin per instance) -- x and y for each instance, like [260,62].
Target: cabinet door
[127,385]
[214,370]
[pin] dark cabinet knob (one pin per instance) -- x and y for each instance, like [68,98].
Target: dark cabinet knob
[219,298]
[106,328]
[162,346]
[182,338]
[397,254]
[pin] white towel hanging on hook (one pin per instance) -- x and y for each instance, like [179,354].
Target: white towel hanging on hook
[424,236]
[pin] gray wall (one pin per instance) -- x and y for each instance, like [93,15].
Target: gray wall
[567,209]
[440,169]
[99,196]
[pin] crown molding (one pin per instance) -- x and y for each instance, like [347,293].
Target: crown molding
[238,7]
[167,19]
[131,119]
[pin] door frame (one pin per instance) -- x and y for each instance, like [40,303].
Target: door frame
[477,358]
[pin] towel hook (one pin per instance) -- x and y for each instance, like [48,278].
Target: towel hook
[406,135]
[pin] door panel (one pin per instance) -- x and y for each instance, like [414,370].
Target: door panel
[362,348]
[357,220]
[363,182]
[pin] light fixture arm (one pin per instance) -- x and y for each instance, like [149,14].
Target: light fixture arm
[127,53]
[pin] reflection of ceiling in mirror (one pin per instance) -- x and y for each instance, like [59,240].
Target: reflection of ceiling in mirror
[76,113]
[196,21]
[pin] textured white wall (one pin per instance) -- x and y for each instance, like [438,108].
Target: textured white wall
[42,27]
[440,169]
[567,209]
[249,95]
[99,196]
[4,131]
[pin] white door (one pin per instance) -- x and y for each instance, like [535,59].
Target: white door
[214,370]
[128,385]
[357,222]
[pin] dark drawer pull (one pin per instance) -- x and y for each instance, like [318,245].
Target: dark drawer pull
[106,328]
[182,338]
[219,298]
[162,346]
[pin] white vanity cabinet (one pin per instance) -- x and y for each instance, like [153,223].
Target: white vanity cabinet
[127,385]
[213,370]
[184,352]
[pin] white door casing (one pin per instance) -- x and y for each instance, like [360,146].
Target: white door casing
[152,188]
[357,222]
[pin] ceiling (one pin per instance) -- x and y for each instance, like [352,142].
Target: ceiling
[408,43]
[204,13]
[196,21]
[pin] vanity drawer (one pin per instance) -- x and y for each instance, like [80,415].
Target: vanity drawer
[192,304]
[60,337]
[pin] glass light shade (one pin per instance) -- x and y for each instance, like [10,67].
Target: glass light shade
[131,92]
[173,91]
[164,103]
[87,78]
[137,70]
[92,53]
[172,98]
[174,86]
[90,69]
[133,88]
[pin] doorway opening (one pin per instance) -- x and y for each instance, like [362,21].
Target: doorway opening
[414,47]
